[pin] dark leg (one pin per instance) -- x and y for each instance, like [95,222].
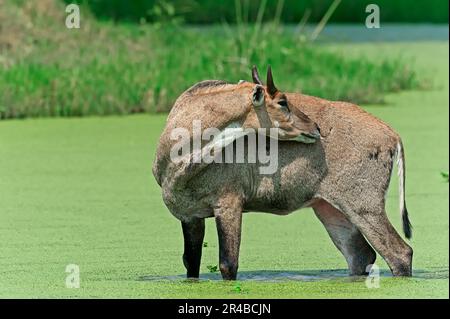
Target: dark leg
[193,232]
[346,237]
[228,222]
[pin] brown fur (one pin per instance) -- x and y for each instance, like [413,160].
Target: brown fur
[344,177]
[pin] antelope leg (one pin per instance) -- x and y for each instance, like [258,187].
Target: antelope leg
[193,232]
[228,222]
[347,238]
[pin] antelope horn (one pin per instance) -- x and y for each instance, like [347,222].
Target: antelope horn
[270,85]
[255,76]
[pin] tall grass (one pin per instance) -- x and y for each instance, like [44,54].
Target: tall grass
[105,68]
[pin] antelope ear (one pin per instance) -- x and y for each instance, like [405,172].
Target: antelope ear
[258,95]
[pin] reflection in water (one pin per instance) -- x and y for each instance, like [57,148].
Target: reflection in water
[305,275]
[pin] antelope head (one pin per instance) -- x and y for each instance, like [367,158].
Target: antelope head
[271,109]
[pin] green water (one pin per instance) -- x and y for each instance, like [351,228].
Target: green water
[81,191]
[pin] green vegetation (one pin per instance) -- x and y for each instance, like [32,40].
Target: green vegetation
[238,287]
[213,11]
[212,268]
[104,68]
[81,191]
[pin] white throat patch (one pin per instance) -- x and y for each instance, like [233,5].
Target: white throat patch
[227,136]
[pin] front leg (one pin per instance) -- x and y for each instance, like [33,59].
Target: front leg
[228,222]
[193,232]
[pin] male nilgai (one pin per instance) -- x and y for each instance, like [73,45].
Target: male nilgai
[343,173]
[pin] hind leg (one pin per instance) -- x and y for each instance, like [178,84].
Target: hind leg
[378,230]
[346,237]
[193,232]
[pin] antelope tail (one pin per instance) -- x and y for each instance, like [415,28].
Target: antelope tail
[407,227]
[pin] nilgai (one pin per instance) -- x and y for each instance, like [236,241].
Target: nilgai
[332,156]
